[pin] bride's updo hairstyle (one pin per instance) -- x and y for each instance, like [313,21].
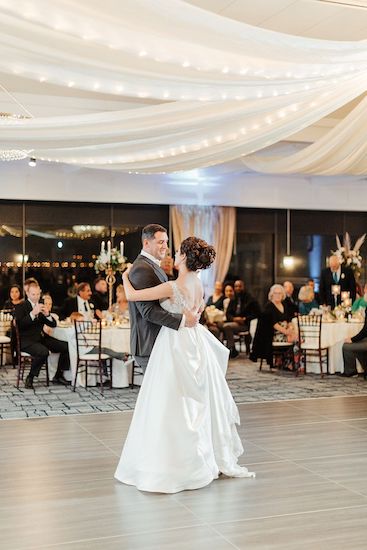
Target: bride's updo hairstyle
[199,254]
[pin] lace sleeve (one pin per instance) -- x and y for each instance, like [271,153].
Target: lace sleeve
[178,299]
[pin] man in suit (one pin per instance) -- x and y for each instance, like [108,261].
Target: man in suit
[336,274]
[147,318]
[240,311]
[31,316]
[355,348]
[100,297]
[290,301]
[79,308]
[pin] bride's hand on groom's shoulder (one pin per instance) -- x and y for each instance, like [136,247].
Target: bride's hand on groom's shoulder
[127,270]
[191,318]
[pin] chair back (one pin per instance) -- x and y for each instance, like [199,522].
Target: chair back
[6,318]
[88,335]
[309,330]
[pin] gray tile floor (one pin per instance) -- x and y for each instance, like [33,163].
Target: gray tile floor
[246,382]
[57,489]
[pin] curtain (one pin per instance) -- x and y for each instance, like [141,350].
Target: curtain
[214,224]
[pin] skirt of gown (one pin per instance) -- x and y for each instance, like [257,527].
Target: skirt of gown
[183,429]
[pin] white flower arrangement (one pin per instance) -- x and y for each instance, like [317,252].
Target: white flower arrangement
[111,259]
[349,256]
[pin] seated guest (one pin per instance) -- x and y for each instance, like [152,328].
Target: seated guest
[121,306]
[290,300]
[217,297]
[100,297]
[360,302]
[311,283]
[15,298]
[306,300]
[167,264]
[80,307]
[336,274]
[47,300]
[355,348]
[31,316]
[228,296]
[240,311]
[274,325]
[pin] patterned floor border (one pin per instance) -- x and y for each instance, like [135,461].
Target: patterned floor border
[247,384]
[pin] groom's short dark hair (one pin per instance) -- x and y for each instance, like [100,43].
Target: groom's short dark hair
[150,230]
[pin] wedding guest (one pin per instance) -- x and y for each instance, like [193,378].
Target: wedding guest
[48,333]
[100,297]
[240,311]
[290,299]
[80,307]
[121,306]
[274,325]
[167,264]
[228,296]
[15,298]
[360,302]
[311,283]
[306,300]
[355,348]
[216,299]
[336,274]
[31,316]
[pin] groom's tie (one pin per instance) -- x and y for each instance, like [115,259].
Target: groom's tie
[335,277]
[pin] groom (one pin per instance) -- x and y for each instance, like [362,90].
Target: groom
[148,317]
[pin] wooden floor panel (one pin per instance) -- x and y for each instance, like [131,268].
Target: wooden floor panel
[57,488]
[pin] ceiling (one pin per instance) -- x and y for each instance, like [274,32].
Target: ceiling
[325,19]
[322,19]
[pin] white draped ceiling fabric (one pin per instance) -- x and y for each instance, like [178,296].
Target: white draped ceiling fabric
[343,150]
[214,224]
[220,88]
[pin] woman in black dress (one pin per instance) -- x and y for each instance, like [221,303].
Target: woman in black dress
[275,325]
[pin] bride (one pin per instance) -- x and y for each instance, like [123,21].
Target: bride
[182,434]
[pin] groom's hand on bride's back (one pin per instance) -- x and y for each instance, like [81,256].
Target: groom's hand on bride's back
[191,319]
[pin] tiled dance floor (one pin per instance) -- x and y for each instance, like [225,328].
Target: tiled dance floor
[57,489]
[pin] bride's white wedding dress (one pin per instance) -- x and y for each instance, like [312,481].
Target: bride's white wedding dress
[183,432]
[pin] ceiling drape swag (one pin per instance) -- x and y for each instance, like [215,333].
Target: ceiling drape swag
[343,150]
[232,89]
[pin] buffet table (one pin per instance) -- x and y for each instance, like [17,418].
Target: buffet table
[116,338]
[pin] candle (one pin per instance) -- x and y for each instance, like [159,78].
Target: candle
[102,247]
[109,250]
[122,248]
[335,290]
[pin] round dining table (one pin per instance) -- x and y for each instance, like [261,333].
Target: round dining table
[333,336]
[114,337]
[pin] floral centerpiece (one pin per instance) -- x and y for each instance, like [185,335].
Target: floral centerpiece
[348,255]
[111,259]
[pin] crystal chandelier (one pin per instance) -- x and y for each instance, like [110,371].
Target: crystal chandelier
[12,154]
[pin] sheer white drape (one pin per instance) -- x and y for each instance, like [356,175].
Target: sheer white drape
[343,150]
[214,224]
[233,88]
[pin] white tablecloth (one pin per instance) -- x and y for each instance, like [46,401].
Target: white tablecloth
[333,336]
[114,338]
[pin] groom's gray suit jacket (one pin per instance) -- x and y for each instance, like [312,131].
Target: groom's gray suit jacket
[146,318]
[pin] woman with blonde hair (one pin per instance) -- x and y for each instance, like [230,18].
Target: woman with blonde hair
[306,297]
[275,325]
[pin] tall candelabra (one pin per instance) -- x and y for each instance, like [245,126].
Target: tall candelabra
[110,260]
